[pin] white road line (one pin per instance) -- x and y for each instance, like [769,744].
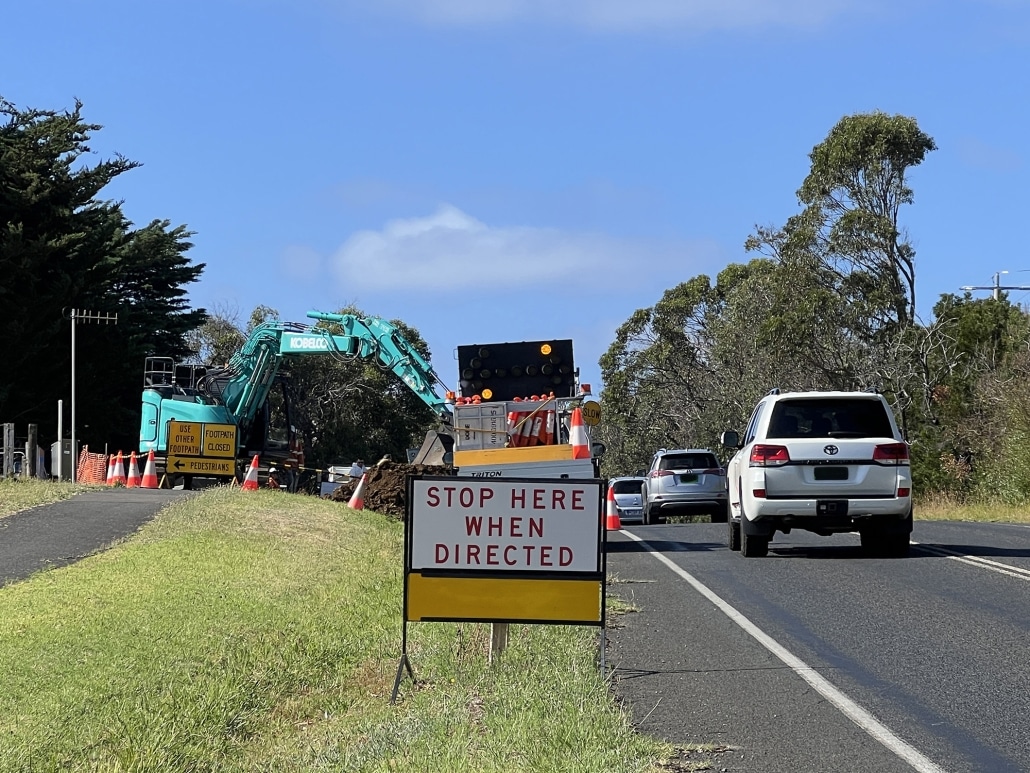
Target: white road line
[848,707]
[983,563]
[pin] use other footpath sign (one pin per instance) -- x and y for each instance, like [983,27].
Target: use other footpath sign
[195,448]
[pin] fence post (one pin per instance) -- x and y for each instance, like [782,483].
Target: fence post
[8,450]
[30,452]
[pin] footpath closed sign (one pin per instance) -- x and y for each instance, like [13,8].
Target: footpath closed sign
[511,549]
[195,448]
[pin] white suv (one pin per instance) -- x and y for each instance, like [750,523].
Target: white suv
[825,462]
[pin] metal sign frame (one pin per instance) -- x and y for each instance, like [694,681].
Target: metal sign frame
[516,581]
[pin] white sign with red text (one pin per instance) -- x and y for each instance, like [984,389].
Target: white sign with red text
[472,524]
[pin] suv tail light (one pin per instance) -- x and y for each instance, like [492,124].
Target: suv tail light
[714,471]
[891,453]
[768,456]
[661,473]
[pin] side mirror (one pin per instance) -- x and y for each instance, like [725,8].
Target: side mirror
[730,439]
[597,450]
[640,473]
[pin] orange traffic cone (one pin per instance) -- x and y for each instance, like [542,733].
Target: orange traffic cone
[250,483]
[150,473]
[119,471]
[612,521]
[548,436]
[514,430]
[132,479]
[357,501]
[578,436]
[110,471]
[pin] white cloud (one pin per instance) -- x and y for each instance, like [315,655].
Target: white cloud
[618,15]
[451,250]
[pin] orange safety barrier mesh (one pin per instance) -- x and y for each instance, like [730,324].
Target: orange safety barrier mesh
[92,468]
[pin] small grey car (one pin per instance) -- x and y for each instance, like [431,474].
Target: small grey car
[627,494]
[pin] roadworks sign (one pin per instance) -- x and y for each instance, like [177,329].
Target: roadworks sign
[201,465]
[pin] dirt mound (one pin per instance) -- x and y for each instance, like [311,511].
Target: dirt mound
[386,487]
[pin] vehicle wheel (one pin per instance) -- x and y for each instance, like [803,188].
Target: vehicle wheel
[896,545]
[734,535]
[722,515]
[651,516]
[752,545]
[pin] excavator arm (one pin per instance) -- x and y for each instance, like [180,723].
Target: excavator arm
[375,339]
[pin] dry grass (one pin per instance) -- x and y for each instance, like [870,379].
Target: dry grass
[940,508]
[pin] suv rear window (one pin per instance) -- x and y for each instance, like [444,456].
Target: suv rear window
[687,462]
[626,487]
[829,417]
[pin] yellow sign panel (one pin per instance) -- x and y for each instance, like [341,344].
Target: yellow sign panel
[591,413]
[220,440]
[537,600]
[199,465]
[184,438]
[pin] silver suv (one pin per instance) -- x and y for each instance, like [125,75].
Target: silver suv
[686,481]
[825,462]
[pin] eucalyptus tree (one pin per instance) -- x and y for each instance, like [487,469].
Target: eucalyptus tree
[850,222]
[658,378]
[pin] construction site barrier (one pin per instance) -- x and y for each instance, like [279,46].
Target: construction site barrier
[92,468]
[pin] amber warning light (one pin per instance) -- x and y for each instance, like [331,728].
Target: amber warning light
[509,370]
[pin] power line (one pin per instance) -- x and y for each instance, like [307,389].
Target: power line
[997,287]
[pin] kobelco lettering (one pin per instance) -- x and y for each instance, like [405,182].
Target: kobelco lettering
[309,343]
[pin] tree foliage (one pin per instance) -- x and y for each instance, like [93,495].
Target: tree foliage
[62,247]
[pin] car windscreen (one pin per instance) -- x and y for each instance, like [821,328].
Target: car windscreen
[687,462]
[829,417]
[626,486]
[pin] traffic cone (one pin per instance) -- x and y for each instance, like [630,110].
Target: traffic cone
[150,473]
[578,436]
[514,430]
[132,479]
[250,483]
[613,522]
[119,471]
[357,501]
[110,471]
[548,436]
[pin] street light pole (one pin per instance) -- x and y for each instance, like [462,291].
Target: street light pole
[85,316]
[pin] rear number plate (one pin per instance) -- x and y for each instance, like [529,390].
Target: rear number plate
[831,507]
[831,473]
[689,478]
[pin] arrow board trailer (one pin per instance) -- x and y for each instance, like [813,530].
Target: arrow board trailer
[527,550]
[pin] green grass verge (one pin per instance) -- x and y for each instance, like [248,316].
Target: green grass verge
[22,493]
[262,632]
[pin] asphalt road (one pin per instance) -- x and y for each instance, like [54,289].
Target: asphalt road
[818,659]
[64,532]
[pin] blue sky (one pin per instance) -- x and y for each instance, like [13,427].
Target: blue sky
[509,170]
